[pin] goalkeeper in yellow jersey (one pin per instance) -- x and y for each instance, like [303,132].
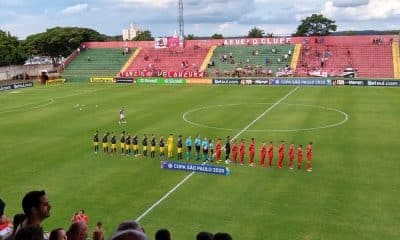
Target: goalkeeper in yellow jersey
[170,145]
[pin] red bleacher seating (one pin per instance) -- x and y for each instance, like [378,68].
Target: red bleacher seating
[371,60]
[169,59]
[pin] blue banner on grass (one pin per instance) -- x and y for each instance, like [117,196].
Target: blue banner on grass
[195,168]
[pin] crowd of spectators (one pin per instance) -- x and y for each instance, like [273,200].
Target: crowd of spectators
[247,68]
[36,208]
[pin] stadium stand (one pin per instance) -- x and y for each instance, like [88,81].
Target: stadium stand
[169,59]
[250,60]
[369,59]
[369,56]
[96,62]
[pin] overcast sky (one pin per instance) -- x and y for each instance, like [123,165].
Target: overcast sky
[202,17]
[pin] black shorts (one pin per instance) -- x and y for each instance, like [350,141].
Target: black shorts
[197,148]
[205,151]
[189,148]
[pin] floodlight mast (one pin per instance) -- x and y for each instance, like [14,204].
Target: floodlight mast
[181,21]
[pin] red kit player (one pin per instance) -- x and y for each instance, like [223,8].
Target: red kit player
[263,154]
[242,151]
[291,155]
[270,154]
[299,156]
[218,150]
[252,150]
[281,154]
[309,157]
[235,151]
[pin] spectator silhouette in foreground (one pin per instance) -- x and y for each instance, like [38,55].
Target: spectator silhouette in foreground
[222,236]
[98,233]
[17,220]
[58,234]
[33,232]
[204,236]
[130,225]
[36,207]
[129,235]
[163,234]
[77,231]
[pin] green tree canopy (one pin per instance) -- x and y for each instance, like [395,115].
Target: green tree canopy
[255,32]
[316,25]
[144,36]
[217,36]
[190,37]
[60,41]
[11,51]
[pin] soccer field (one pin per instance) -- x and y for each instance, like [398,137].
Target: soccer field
[352,192]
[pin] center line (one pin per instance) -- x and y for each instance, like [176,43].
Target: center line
[192,173]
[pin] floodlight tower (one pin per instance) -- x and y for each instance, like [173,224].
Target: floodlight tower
[181,21]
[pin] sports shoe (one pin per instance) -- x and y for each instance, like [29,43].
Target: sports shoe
[309,170]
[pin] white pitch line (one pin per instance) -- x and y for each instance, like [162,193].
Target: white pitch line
[192,173]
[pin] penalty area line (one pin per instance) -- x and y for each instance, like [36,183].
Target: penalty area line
[192,173]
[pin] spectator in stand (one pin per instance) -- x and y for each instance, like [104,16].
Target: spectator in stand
[163,234]
[224,58]
[36,207]
[58,234]
[273,50]
[267,61]
[77,231]
[222,236]
[256,52]
[290,52]
[98,233]
[204,236]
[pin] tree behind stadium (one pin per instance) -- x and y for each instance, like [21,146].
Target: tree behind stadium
[316,25]
[11,51]
[60,41]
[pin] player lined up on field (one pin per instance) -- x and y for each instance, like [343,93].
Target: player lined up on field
[204,149]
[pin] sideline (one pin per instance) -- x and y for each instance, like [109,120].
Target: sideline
[233,138]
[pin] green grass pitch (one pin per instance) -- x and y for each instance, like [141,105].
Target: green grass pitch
[352,193]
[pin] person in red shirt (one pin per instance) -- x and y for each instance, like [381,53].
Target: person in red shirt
[218,150]
[263,154]
[234,151]
[84,217]
[309,157]
[76,218]
[270,154]
[299,156]
[242,151]
[252,150]
[281,154]
[291,155]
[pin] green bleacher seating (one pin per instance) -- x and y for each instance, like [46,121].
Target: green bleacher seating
[104,62]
